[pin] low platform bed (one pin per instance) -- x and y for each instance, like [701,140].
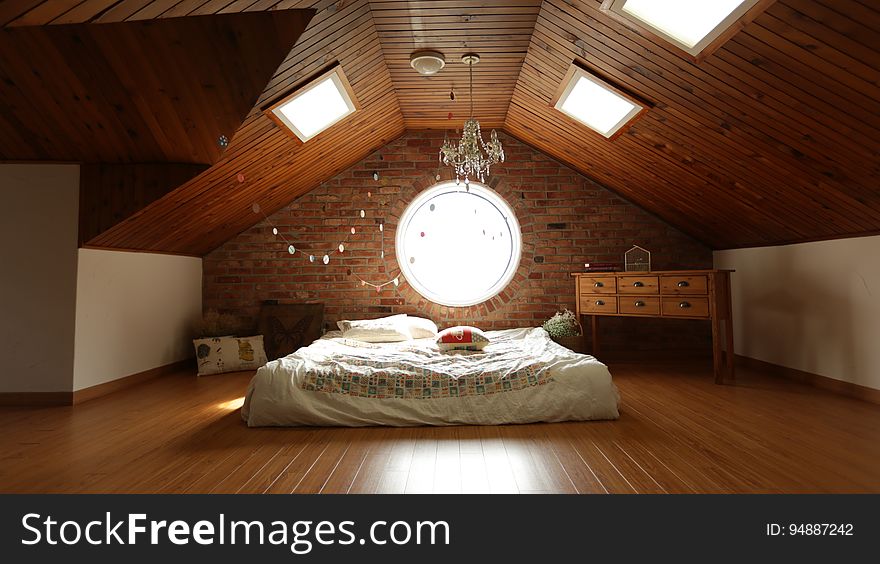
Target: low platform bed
[522,376]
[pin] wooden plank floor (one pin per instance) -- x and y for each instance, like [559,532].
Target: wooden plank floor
[678,432]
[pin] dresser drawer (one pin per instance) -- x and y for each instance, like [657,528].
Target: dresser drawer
[684,284]
[686,306]
[598,284]
[598,304]
[638,285]
[639,305]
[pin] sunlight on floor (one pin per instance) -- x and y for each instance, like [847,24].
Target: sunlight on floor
[231,404]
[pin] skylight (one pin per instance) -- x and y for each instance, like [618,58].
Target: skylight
[312,109]
[690,25]
[596,104]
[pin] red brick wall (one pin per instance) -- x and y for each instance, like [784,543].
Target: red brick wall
[589,224]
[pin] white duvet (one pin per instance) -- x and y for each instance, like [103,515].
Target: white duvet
[522,376]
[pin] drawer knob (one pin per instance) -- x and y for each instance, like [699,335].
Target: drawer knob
[600,303]
[638,284]
[639,303]
[684,305]
[683,284]
[598,285]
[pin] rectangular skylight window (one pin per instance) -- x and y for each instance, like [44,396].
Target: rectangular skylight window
[690,25]
[310,110]
[597,104]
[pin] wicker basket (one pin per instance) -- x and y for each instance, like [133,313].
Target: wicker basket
[577,343]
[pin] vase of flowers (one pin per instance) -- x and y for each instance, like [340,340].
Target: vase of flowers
[565,329]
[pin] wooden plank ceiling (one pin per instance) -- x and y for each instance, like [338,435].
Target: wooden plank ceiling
[772,139]
[107,93]
[206,211]
[500,32]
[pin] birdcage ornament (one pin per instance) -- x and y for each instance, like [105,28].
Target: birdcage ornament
[637,259]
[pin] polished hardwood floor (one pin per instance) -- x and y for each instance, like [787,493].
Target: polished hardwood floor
[678,433]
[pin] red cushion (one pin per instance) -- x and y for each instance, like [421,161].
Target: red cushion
[462,337]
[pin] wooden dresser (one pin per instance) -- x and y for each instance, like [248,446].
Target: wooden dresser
[677,294]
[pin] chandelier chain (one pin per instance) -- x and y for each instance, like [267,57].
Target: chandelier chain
[471,86]
[467,157]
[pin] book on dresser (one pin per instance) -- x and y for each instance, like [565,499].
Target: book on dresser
[678,294]
[602,267]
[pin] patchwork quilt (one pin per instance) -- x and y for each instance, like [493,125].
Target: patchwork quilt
[521,376]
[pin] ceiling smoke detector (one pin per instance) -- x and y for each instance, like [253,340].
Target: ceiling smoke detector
[427,62]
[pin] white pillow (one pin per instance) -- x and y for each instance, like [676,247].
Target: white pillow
[344,325]
[229,354]
[383,330]
[421,328]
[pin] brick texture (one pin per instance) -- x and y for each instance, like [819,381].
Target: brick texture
[566,220]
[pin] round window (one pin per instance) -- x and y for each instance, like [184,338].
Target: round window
[457,246]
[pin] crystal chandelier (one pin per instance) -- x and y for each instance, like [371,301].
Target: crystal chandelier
[467,158]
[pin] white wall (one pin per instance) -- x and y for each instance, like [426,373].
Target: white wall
[813,306]
[134,312]
[38,245]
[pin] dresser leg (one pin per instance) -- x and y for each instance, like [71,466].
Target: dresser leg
[731,374]
[716,350]
[728,334]
[594,329]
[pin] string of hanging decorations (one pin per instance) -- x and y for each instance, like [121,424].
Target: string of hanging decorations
[378,287]
[341,248]
[292,249]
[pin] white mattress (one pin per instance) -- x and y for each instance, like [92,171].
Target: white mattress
[522,376]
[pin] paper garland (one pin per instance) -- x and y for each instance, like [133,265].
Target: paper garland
[292,249]
[325,257]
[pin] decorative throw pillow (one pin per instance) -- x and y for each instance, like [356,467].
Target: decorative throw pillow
[383,330]
[216,355]
[421,328]
[462,338]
